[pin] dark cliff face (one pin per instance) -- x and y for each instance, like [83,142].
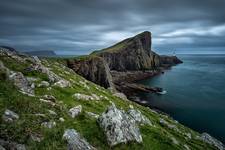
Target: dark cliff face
[132,54]
[94,69]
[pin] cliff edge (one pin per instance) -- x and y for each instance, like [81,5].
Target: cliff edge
[131,56]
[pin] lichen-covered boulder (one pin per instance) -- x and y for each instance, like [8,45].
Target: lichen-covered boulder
[75,141]
[73,112]
[21,82]
[138,117]
[9,116]
[118,126]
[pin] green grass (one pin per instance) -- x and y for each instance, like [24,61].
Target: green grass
[156,138]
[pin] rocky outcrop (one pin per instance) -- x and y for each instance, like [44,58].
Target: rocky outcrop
[129,60]
[119,127]
[75,141]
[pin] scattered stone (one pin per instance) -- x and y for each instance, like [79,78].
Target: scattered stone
[32,79]
[21,82]
[138,117]
[48,102]
[12,145]
[40,115]
[49,97]
[61,119]
[51,112]
[212,141]
[75,141]
[80,96]
[188,135]
[186,147]
[118,126]
[91,114]
[120,95]
[174,140]
[84,85]
[41,68]
[9,116]
[49,124]
[62,83]
[44,84]
[75,111]
[167,124]
[32,86]
[36,137]
[49,88]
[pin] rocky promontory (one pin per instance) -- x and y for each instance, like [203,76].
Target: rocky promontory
[127,61]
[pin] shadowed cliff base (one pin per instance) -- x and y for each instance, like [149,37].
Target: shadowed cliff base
[125,62]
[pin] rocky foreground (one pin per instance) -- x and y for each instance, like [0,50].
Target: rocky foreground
[127,61]
[45,105]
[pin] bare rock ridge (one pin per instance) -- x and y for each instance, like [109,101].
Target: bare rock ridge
[129,60]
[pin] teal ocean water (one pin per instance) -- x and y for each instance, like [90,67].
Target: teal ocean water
[195,93]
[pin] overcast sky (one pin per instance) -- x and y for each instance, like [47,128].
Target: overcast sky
[81,26]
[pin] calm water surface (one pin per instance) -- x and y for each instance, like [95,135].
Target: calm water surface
[195,93]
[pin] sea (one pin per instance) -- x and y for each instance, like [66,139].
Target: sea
[195,93]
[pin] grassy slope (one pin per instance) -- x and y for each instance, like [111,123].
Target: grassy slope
[157,137]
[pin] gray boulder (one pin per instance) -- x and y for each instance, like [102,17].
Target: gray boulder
[119,127]
[212,141]
[9,116]
[21,82]
[138,117]
[75,111]
[75,141]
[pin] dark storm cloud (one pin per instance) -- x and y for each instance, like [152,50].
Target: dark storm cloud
[80,26]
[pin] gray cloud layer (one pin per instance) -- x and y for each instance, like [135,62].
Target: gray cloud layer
[80,26]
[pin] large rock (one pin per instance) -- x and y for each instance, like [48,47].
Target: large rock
[211,140]
[75,141]
[119,127]
[21,82]
[62,83]
[80,96]
[10,116]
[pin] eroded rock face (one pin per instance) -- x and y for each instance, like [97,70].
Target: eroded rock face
[75,141]
[211,140]
[94,69]
[10,116]
[119,127]
[21,82]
